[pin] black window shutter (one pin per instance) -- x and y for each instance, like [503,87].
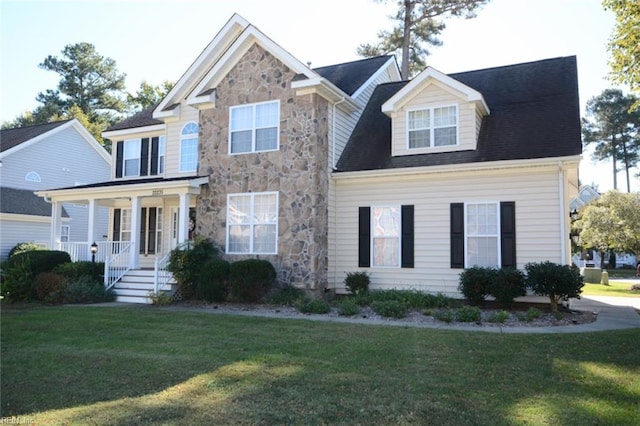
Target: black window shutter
[144,157]
[457,235]
[364,237]
[116,224]
[143,228]
[154,155]
[151,236]
[119,158]
[407,237]
[508,233]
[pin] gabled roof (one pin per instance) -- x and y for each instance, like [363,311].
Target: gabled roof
[350,76]
[143,118]
[535,114]
[10,138]
[24,201]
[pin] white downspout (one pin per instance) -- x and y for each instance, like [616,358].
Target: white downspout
[564,235]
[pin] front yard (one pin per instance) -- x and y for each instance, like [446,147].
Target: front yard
[141,365]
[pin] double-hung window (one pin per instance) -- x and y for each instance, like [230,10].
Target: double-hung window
[189,147]
[132,157]
[385,236]
[252,223]
[254,127]
[140,157]
[483,234]
[433,127]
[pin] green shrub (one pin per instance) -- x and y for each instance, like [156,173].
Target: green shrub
[357,282]
[475,282]
[50,287]
[251,279]
[468,314]
[74,270]
[86,290]
[24,247]
[530,315]
[17,280]
[507,284]
[287,296]
[161,298]
[499,317]
[348,307]
[314,306]
[444,315]
[390,308]
[40,260]
[554,281]
[186,260]
[213,280]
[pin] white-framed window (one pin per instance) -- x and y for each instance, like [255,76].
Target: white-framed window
[131,157]
[252,223]
[125,225]
[65,231]
[432,127]
[254,127]
[189,147]
[162,147]
[32,177]
[482,229]
[385,236]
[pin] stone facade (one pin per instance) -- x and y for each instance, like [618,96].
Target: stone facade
[299,170]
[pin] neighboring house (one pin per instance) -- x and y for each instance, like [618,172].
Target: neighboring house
[50,155]
[345,168]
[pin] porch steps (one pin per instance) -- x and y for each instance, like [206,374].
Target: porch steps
[135,286]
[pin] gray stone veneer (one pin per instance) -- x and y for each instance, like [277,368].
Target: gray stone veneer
[298,170]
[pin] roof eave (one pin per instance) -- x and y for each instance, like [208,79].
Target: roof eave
[327,90]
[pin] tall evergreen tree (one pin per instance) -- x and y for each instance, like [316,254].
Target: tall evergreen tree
[148,95]
[614,129]
[417,25]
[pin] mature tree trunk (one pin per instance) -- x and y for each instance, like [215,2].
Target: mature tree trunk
[408,9]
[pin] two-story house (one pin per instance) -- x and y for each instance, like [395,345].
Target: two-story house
[343,168]
[61,153]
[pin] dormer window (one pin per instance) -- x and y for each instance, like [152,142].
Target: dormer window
[433,127]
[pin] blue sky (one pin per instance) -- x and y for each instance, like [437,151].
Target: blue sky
[158,40]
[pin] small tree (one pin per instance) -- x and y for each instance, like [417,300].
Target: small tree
[186,261]
[555,281]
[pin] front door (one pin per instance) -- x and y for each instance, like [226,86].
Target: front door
[151,230]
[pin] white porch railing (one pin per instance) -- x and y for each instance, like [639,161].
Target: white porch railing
[161,276]
[117,265]
[81,251]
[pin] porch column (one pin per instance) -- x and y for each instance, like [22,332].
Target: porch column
[183,220]
[135,232]
[56,224]
[91,225]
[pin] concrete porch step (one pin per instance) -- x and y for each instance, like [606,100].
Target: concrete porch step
[136,285]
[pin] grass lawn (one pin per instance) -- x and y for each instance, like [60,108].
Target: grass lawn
[615,288]
[143,365]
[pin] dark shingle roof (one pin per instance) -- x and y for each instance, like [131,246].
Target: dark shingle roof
[534,108]
[24,201]
[140,119]
[349,76]
[10,138]
[122,182]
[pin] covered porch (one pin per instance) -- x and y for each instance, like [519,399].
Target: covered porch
[147,219]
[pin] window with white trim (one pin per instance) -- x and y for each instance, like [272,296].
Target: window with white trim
[432,127]
[33,177]
[252,223]
[254,127]
[482,228]
[189,147]
[65,231]
[161,154]
[385,236]
[131,157]
[125,225]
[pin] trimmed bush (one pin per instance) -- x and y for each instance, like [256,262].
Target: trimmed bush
[499,317]
[314,306]
[287,296]
[86,290]
[475,282]
[357,282]
[186,260]
[50,287]
[213,281]
[508,284]
[554,281]
[40,260]
[74,270]
[468,314]
[348,307]
[17,280]
[251,279]
[390,308]
[23,247]
[444,315]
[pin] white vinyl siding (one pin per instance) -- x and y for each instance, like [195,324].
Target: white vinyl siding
[173,135]
[254,127]
[534,190]
[252,223]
